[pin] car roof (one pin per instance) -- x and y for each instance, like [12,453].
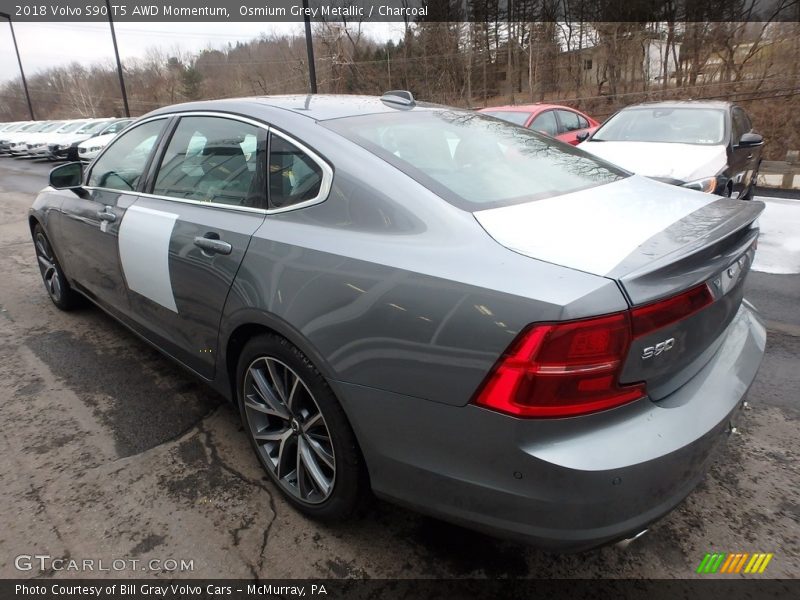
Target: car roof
[537,107]
[320,107]
[682,104]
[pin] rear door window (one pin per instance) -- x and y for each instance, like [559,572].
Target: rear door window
[546,123]
[214,159]
[570,121]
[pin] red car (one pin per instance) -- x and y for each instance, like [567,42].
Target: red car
[560,122]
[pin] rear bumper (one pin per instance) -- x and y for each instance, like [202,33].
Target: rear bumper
[562,484]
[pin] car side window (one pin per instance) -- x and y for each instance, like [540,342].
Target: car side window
[545,123]
[121,166]
[741,124]
[583,122]
[570,121]
[294,176]
[214,159]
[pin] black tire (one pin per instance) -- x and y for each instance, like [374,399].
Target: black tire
[751,191]
[56,284]
[270,355]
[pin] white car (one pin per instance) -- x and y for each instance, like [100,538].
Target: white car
[35,142]
[707,146]
[88,149]
[17,142]
[9,135]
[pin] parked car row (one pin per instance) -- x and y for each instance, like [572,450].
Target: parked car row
[701,145]
[59,140]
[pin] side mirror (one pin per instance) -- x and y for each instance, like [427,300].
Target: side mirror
[582,136]
[751,139]
[67,177]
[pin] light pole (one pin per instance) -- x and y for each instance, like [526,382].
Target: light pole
[119,64]
[312,70]
[19,60]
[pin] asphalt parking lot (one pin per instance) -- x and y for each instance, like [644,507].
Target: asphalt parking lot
[110,451]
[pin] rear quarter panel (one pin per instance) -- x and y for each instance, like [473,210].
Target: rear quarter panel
[385,285]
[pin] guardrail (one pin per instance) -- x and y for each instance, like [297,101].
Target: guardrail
[782,174]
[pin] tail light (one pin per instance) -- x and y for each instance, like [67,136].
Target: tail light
[572,368]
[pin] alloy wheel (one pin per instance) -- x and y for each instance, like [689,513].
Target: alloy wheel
[289,430]
[47,265]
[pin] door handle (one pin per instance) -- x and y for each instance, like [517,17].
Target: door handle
[107,215]
[749,156]
[212,245]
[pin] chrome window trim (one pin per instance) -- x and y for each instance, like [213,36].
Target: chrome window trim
[325,185]
[248,209]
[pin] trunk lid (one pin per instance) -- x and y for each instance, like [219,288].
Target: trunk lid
[655,241]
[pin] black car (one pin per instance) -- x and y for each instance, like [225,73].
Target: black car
[708,146]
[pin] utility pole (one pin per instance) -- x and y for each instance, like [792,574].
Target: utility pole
[19,61]
[119,64]
[312,70]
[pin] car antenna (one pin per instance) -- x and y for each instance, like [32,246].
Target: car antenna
[401,97]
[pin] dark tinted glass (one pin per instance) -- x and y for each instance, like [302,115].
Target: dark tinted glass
[294,176]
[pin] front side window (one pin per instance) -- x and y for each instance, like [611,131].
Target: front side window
[546,123]
[294,176]
[121,166]
[473,161]
[741,124]
[214,159]
[70,127]
[680,125]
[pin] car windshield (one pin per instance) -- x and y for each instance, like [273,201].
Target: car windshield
[689,125]
[473,161]
[512,116]
[115,126]
[53,126]
[92,127]
[70,127]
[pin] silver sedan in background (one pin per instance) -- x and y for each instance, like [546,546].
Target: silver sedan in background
[452,312]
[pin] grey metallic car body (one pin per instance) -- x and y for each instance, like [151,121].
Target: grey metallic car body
[404,303]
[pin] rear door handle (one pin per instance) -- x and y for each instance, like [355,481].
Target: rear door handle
[214,246]
[107,215]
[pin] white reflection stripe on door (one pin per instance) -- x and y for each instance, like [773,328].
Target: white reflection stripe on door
[144,236]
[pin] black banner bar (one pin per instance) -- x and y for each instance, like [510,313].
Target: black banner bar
[404,10]
[408,589]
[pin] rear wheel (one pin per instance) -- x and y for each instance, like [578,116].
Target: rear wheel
[59,290]
[298,430]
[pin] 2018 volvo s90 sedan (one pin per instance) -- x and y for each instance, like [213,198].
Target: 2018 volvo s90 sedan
[458,314]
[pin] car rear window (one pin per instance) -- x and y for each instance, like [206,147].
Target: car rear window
[512,116]
[473,161]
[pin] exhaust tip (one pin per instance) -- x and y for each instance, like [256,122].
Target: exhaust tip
[623,544]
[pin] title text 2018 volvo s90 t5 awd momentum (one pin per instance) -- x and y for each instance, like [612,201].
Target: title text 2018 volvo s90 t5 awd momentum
[458,314]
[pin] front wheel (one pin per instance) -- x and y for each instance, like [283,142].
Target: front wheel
[298,430]
[751,190]
[57,286]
